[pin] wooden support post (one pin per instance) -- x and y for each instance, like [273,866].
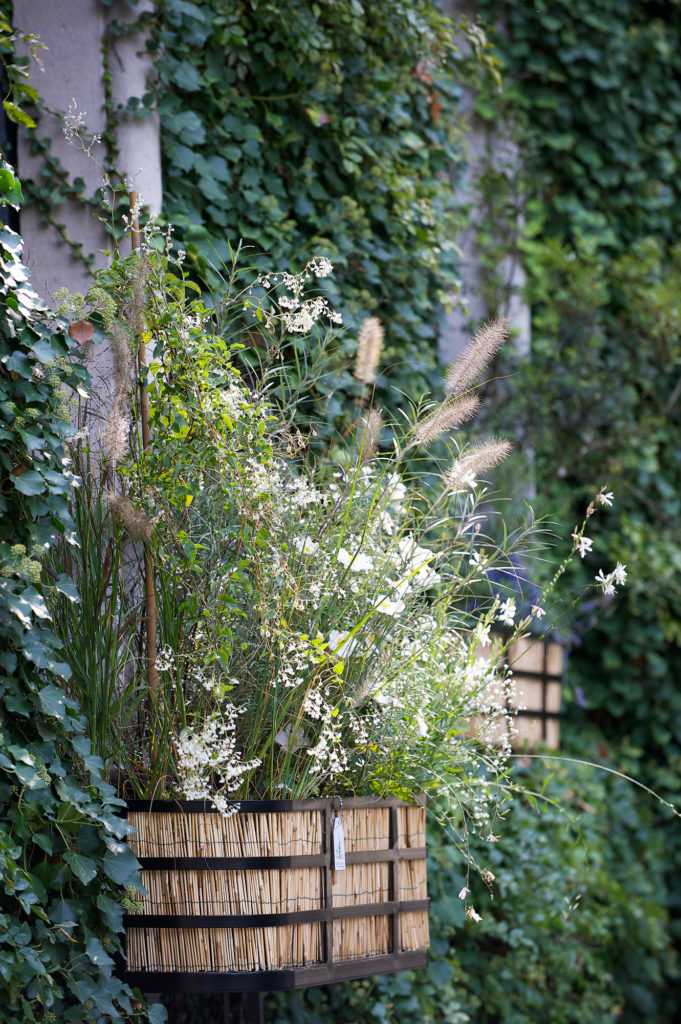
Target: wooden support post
[151,620]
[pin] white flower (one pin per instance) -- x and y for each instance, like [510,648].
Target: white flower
[357,562]
[582,544]
[606,583]
[421,724]
[538,612]
[165,660]
[473,915]
[482,634]
[341,644]
[416,564]
[387,606]
[619,574]
[387,523]
[306,545]
[395,490]
[209,763]
[478,559]
[320,266]
[464,893]
[617,577]
[507,611]
[605,498]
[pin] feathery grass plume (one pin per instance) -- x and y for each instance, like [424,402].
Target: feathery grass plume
[369,350]
[121,357]
[368,433]
[481,456]
[465,370]
[136,524]
[447,416]
[115,434]
[116,430]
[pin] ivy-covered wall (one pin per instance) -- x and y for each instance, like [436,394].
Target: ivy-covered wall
[64,863]
[327,128]
[594,91]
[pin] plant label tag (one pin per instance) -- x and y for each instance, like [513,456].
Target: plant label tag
[338,845]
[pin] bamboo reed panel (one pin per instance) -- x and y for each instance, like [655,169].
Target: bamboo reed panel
[224,949]
[163,834]
[355,938]
[366,828]
[414,932]
[413,880]
[360,883]
[411,827]
[248,891]
[232,892]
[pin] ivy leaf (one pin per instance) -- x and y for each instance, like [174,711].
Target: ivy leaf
[29,483]
[112,911]
[83,867]
[122,868]
[17,115]
[10,189]
[29,777]
[66,586]
[36,602]
[97,954]
[81,331]
[44,352]
[53,702]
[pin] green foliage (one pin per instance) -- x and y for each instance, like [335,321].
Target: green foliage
[98,628]
[321,129]
[601,183]
[18,91]
[63,859]
[317,633]
[572,927]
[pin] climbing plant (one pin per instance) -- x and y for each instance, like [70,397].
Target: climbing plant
[64,864]
[325,128]
[593,95]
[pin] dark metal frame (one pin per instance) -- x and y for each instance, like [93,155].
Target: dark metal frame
[328,971]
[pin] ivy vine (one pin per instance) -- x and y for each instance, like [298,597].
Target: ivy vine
[64,863]
[328,128]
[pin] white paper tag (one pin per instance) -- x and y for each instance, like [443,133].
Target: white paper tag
[338,845]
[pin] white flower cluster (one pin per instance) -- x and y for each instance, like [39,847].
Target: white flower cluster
[507,612]
[209,764]
[582,544]
[616,578]
[298,314]
[303,316]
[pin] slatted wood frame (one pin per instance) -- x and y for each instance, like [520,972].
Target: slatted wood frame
[206,876]
[537,666]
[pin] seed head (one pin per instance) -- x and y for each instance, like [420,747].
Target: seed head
[465,370]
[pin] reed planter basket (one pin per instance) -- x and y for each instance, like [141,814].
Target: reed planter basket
[253,902]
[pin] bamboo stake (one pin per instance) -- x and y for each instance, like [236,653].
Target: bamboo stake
[149,587]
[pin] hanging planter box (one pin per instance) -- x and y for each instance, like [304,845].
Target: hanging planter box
[256,901]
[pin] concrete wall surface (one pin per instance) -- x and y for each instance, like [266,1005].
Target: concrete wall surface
[71,71]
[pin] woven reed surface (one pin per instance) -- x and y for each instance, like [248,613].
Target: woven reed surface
[288,834]
[289,890]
